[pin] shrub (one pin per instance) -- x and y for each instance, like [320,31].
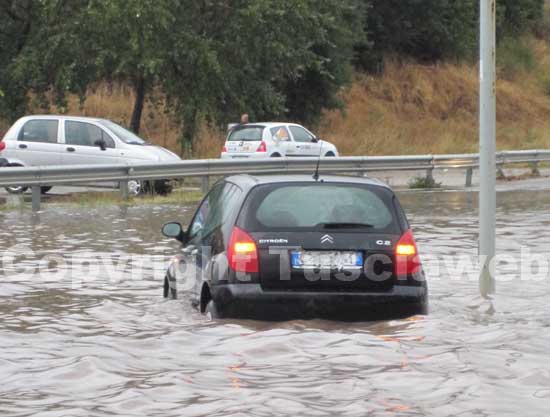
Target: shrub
[423,183]
[514,56]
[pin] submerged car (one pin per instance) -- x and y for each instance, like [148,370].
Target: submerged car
[274,140]
[292,247]
[64,140]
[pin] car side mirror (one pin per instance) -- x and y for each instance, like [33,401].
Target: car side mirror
[101,144]
[315,140]
[174,231]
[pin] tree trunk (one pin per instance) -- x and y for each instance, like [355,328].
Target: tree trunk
[139,87]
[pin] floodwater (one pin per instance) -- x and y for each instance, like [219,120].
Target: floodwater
[97,344]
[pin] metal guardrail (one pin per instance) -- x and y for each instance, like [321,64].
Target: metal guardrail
[66,175]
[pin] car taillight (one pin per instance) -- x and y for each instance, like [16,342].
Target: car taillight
[262,147]
[407,261]
[2,146]
[224,149]
[242,252]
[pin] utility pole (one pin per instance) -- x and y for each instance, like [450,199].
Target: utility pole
[487,143]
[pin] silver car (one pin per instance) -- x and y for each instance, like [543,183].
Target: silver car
[272,140]
[64,140]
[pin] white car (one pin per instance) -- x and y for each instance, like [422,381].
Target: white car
[271,140]
[64,140]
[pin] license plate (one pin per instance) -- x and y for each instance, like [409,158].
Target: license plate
[245,148]
[327,260]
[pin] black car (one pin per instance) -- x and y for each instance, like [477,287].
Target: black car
[292,247]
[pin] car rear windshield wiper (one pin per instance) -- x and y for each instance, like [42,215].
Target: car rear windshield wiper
[345,225]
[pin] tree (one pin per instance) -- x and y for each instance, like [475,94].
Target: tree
[517,16]
[429,30]
[130,38]
[44,53]
[283,59]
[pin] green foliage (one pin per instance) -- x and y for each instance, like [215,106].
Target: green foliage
[211,59]
[425,29]
[514,56]
[431,30]
[423,183]
[517,16]
[44,50]
[271,60]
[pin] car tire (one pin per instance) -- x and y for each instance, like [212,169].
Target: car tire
[276,155]
[211,311]
[16,190]
[330,155]
[159,187]
[45,190]
[135,188]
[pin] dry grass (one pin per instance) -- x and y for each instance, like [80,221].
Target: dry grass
[414,109]
[110,198]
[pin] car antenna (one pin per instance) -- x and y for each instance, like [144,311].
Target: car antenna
[316,173]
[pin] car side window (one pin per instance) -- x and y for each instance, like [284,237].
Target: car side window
[44,131]
[280,133]
[201,216]
[214,210]
[86,134]
[300,134]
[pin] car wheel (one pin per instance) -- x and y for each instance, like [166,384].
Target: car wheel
[45,190]
[330,154]
[16,190]
[276,155]
[135,187]
[160,187]
[212,311]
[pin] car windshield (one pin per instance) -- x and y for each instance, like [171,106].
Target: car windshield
[123,134]
[322,206]
[247,134]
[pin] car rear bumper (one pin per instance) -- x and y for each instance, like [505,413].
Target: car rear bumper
[236,155]
[250,301]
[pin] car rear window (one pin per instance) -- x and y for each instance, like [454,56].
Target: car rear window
[313,205]
[247,134]
[41,130]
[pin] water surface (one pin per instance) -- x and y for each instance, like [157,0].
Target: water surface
[94,345]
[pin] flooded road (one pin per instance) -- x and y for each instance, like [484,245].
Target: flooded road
[89,344]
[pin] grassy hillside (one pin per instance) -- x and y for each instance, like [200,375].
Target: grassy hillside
[415,109]
[410,109]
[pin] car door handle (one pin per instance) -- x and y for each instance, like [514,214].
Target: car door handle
[71,149]
[23,146]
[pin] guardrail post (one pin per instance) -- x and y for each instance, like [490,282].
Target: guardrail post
[36,191]
[205,184]
[430,177]
[469,176]
[535,169]
[124,189]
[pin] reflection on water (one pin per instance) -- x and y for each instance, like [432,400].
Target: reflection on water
[117,348]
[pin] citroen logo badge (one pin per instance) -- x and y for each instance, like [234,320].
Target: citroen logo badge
[327,239]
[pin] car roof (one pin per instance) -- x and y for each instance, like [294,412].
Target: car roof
[64,117]
[270,124]
[250,181]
